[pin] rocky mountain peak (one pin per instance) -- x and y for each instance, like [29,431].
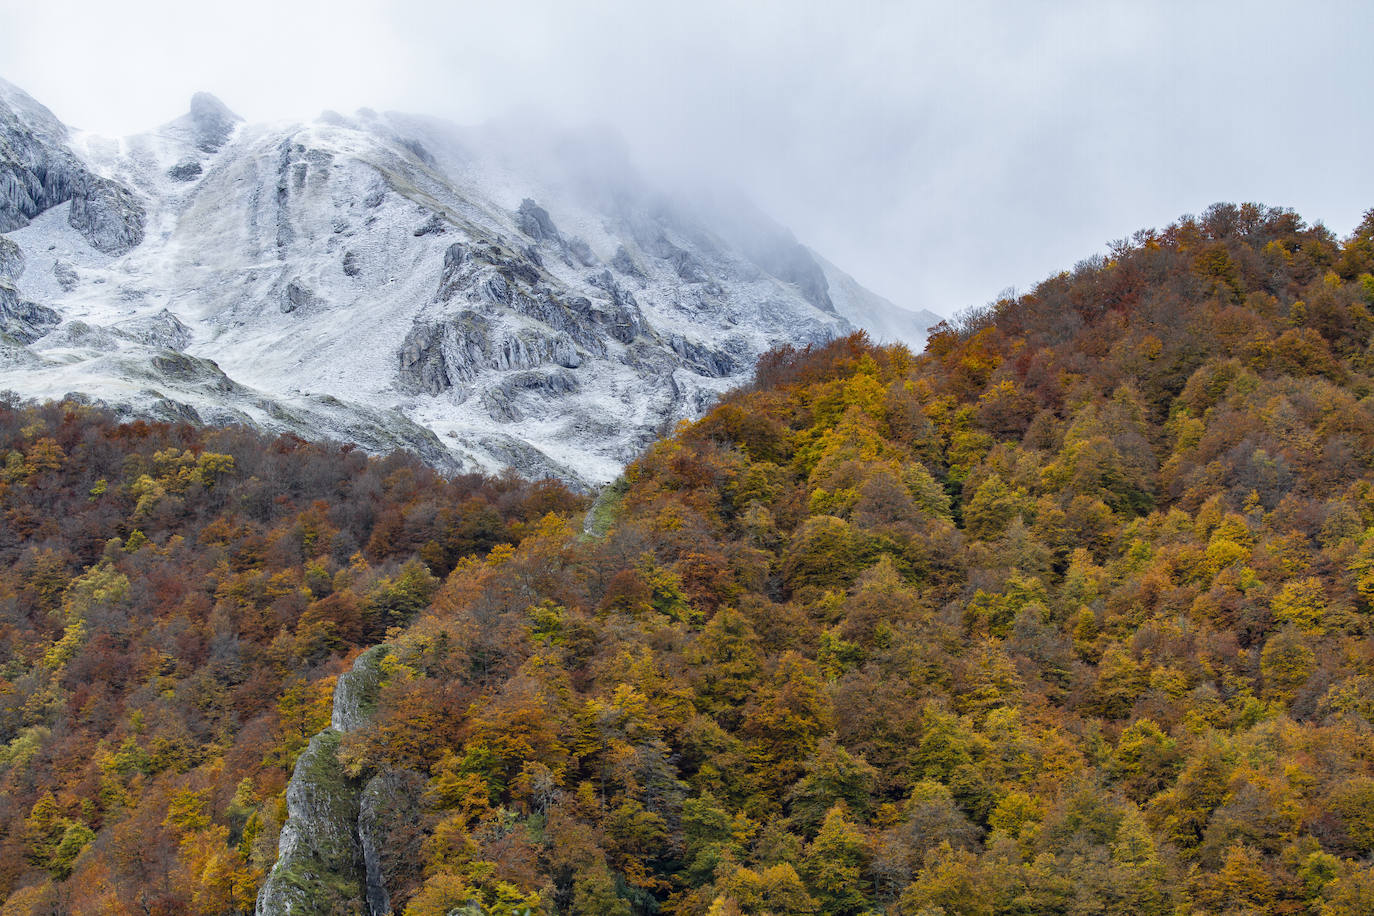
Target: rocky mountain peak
[39,170]
[212,121]
[391,280]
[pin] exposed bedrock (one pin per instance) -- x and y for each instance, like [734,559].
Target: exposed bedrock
[108,214]
[789,261]
[296,295]
[321,867]
[163,330]
[21,320]
[185,170]
[502,401]
[534,221]
[212,121]
[705,359]
[11,260]
[38,171]
[439,356]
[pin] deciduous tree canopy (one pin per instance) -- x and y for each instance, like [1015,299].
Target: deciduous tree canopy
[1069,614]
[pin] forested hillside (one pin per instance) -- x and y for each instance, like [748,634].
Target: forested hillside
[173,605]
[1069,614]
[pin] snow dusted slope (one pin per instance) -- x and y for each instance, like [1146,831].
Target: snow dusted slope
[493,297]
[884,321]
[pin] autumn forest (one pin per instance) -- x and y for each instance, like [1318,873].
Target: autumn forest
[1072,613]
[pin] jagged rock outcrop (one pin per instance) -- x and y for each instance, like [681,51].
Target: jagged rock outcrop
[297,295]
[163,330]
[320,866]
[388,807]
[503,402]
[624,262]
[212,120]
[344,834]
[38,171]
[488,273]
[534,221]
[108,214]
[11,260]
[436,357]
[319,861]
[423,366]
[355,692]
[710,361]
[193,370]
[23,321]
[185,170]
[620,315]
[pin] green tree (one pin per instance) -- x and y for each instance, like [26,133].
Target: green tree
[833,865]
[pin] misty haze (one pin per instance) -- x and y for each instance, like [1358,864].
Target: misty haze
[726,459]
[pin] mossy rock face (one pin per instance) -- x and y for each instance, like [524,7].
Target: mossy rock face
[605,509]
[319,862]
[390,806]
[355,696]
[321,868]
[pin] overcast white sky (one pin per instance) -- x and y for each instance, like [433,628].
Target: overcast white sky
[940,152]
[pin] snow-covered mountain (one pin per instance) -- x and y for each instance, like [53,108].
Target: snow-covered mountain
[499,296]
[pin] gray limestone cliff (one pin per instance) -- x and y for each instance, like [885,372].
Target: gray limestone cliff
[20,320]
[11,260]
[108,214]
[38,171]
[321,866]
